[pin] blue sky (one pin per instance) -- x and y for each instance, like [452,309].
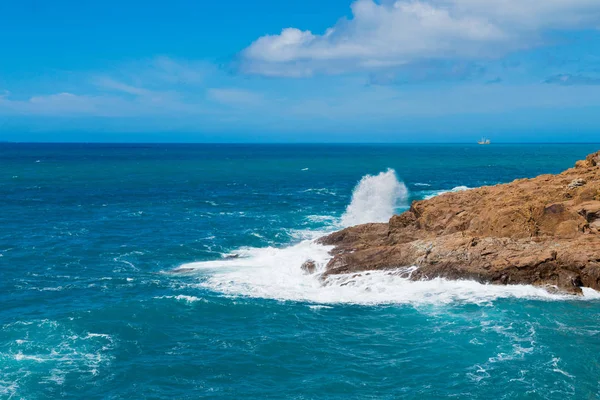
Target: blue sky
[300,71]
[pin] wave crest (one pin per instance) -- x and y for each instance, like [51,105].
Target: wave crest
[275,273]
[375,199]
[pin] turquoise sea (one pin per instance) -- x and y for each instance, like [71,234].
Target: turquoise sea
[90,235]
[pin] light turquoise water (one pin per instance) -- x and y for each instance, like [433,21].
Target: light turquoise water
[88,308]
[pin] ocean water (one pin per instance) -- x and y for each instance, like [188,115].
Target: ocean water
[90,236]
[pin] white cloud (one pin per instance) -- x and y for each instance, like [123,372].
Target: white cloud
[60,104]
[179,71]
[111,84]
[154,75]
[101,105]
[159,86]
[401,32]
[531,15]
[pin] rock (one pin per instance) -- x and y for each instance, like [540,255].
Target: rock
[581,164]
[180,270]
[543,231]
[593,159]
[576,183]
[309,267]
[591,212]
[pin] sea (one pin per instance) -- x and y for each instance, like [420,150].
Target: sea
[172,271]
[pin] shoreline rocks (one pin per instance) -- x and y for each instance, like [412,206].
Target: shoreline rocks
[543,231]
[309,267]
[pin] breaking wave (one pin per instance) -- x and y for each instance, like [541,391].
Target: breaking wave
[375,199]
[276,273]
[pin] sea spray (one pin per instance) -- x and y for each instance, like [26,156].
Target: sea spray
[275,273]
[375,199]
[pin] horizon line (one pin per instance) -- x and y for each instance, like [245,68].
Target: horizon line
[288,143]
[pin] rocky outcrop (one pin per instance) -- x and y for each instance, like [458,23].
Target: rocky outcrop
[543,231]
[309,267]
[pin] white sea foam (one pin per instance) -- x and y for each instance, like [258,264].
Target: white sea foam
[322,191]
[98,335]
[184,298]
[322,219]
[320,307]
[590,293]
[23,357]
[375,199]
[56,350]
[555,368]
[275,273]
[8,389]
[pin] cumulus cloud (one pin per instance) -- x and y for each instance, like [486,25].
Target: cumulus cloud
[394,33]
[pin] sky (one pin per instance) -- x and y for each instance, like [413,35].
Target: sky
[300,71]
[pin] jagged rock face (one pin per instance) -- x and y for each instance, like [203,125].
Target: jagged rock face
[541,231]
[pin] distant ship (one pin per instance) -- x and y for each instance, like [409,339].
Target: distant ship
[484,141]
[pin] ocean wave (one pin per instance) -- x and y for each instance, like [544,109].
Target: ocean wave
[299,235]
[320,307]
[181,297]
[275,273]
[57,351]
[375,199]
[323,191]
[328,219]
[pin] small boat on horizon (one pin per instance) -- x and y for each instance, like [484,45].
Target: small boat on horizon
[484,141]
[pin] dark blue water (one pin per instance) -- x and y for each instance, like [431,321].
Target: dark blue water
[89,308]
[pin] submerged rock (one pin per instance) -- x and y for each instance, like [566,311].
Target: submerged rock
[309,267]
[180,270]
[543,231]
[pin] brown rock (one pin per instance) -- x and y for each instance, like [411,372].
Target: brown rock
[309,267]
[593,159]
[543,231]
[576,183]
